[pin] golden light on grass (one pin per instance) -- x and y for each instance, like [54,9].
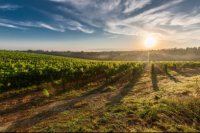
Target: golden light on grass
[150,42]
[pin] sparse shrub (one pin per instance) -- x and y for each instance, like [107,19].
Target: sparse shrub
[156,97]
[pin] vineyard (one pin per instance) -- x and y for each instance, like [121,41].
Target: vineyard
[80,95]
[18,69]
[174,65]
[21,70]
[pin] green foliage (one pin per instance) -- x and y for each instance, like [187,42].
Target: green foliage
[19,69]
[137,68]
[174,65]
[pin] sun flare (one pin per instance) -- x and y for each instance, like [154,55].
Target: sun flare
[150,42]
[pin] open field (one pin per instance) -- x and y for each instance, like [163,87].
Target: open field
[162,101]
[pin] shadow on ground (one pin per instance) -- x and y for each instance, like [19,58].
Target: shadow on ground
[154,82]
[30,122]
[154,79]
[182,73]
[172,77]
[126,89]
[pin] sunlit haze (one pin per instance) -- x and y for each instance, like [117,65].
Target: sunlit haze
[98,25]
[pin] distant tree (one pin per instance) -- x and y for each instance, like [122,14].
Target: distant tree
[195,50]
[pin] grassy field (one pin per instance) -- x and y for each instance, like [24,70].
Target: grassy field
[144,103]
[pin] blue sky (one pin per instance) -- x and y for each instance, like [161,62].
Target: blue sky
[93,25]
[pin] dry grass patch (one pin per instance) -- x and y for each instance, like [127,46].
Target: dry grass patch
[109,88]
[80,104]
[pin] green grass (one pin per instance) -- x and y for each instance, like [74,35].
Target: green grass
[132,107]
[109,88]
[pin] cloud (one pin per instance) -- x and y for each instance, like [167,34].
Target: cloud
[61,24]
[11,26]
[132,5]
[118,28]
[185,20]
[163,21]
[64,23]
[9,7]
[58,23]
[97,5]
[16,24]
[109,35]
[41,25]
[70,24]
[50,27]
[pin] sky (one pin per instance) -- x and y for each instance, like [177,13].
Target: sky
[98,25]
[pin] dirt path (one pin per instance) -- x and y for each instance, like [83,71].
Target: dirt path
[27,99]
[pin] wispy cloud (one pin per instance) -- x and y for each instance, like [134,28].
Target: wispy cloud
[70,24]
[16,24]
[109,35]
[132,5]
[185,20]
[61,24]
[164,21]
[11,26]
[50,27]
[9,7]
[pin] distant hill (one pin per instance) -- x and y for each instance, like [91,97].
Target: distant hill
[173,54]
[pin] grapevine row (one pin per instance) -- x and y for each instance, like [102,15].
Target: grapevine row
[175,65]
[18,69]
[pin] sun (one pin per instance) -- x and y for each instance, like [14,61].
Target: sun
[150,42]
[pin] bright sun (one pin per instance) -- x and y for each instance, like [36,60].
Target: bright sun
[150,42]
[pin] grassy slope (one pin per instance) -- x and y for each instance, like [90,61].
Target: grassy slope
[143,103]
